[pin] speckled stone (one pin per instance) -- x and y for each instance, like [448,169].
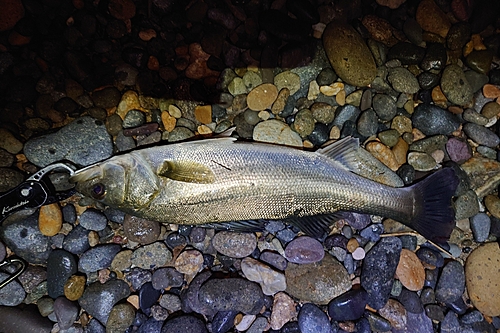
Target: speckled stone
[451,283]
[312,319]
[304,122]
[262,97]
[304,250]
[318,282]
[184,324]
[270,280]
[151,256]
[284,310]
[140,230]
[455,85]
[98,257]
[120,318]
[275,131]
[482,278]
[432,120]
[350,57]
[410,271]
[402,80]
[234,245]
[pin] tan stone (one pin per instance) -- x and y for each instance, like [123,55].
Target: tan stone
[262,97]
[410,271]
[383,153]
[492,203]
[400,151]
[482,278]
[50,219]
[432,19]
[284,310]
[168,121]
[74,287]
[379,29]
[491,91]
[203,113]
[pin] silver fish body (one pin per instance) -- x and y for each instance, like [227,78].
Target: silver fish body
[220,180]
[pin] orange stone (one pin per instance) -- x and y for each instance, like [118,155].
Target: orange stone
[203,113]
[74,287]
[432,19]
[262,97]
[168,121]
[438,96]
[50,219]
[352,245]
[11,12]
[383,153]
[400,151]
[491,91]
[410,271]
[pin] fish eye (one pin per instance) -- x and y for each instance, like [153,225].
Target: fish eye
[98,191]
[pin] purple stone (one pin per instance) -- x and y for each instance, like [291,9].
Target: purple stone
[458,150]
[304,250]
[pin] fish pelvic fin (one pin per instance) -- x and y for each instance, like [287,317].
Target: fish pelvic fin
[434,215]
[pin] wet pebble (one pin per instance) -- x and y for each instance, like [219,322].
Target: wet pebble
[348,306]
[481,135]
[402,80]
[458,150]
[50,219]
[421,161]
[148,296]
[304,250]
[168,277]
[367,123]
[410,271]
[9,142]
[83,142]
[312,319]
[120,318]
[379,267]
[142,231]
[317,282]
[233,294]
[262,97]
[451,283]
[432,120]
[98,257]
[480,225]
[92,219]
[66,312]
[74,287]
[270,280]
[12,294]
[482,278]
[284,310]
[34,249]
[183,324]
[395,313]
[99,298]
[234,245]
[274,259]
[60,266]
[151,256]
[430,256]
[189,262]
[455,85]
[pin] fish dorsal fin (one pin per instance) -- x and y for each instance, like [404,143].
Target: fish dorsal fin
[343,151]
[187,171]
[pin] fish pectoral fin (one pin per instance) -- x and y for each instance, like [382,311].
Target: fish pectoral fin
[187,171]
[317,226]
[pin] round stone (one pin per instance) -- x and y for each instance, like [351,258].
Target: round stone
[120,317]
[50,219]
[492,203]
[304,250]
[234,244]
[451,283]
[74,287]
[287,79]
[141,230]
[402,80]
[455,86]
[410,271]
[262,97]
[304,122]
[275,131]
[151,256]
[482,278]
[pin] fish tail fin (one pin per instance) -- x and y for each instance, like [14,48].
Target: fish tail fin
[434,215]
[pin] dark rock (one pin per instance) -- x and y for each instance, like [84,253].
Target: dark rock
[66,312]
[430,256]
[312,320]
[348,306]
[411,301]
[432,120]
[451,283]
[407,53]
[379,267]
[428,80]
[99,298]
[148,296]
[223,321]
[98,257]
[60,266]
[183,324]
[138,277]
[92,219]
[283,26]
[77,241]
[166,277]
[11,294]
[480,225]
[435,57]
[481,135]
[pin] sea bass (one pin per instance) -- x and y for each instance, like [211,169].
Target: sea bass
[221,180]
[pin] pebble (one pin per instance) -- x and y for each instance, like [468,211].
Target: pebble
[180,133]
[84,141]
[303,123]
[232,294]
[313,320]
[348,306]
[77,241]
[275,131]
[348,54]
[50,219]
[148,296]
[410,271]
[383,153]
[61,265]
[34,249]
[151,256]
[481,274]
[403,81]
[432,19]
[289,80]
[9,142]
[384,106]
[234,245]
[467,205]
[367,123]
[183,324]
[410,301]
[492,203]
[164,278]
[274,259]
[451,283]
[317,282]
[421,161]
[92,219]
[490,109]
[458,150]
[455,85]
[170,302]
[379,267]
[262,97]
[432,120]
[481,135]
[480,225]
[430,256]
[120,318]
[66,312]
[304,250]
[270,280]
[189,262]
[284,311]
[395,313]
[12,294]
[97,258]
[99,298]
[141,230]
[74,287]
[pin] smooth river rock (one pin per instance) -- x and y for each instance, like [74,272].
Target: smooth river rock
[350,57]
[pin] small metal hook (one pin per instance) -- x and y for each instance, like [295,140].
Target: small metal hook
[12,261]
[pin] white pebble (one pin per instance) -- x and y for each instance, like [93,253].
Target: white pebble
[358,254]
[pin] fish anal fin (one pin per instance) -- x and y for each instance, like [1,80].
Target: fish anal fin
[187,171]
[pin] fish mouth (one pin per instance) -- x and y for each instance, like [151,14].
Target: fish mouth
[87,173]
